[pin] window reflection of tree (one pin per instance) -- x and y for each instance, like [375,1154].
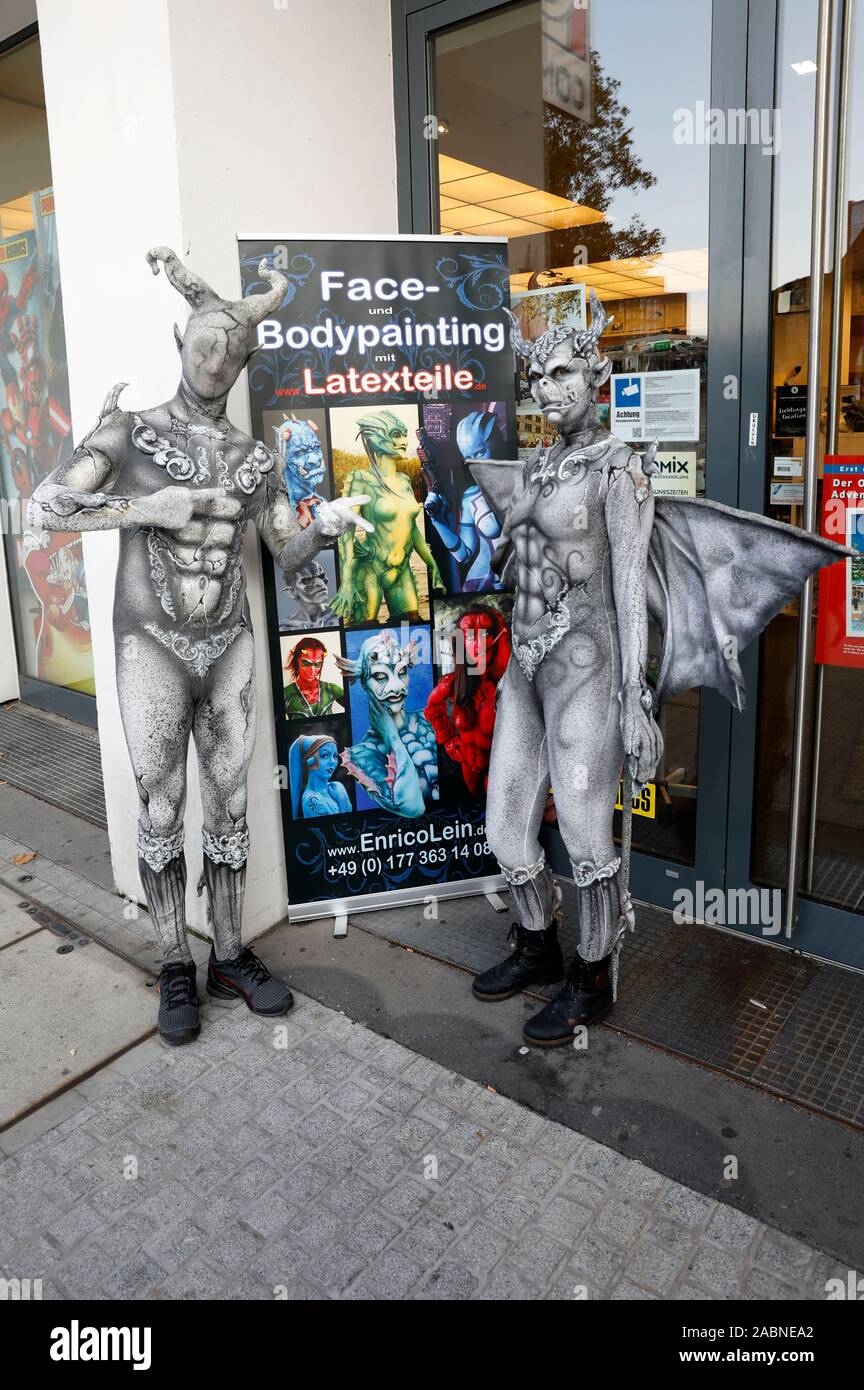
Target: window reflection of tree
[588,164]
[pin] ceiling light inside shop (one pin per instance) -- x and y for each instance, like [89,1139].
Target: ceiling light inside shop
[637,277]
[803,68]
[489,204]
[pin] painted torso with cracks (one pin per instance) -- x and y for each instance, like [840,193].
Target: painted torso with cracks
[558,523]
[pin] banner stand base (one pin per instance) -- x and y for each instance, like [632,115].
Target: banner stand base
[497,902]
[489,887]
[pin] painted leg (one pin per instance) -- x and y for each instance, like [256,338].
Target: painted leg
[156,710]
[165,891]
[224,734]
[585,760]
[403,600]
[367,588]
[518,787]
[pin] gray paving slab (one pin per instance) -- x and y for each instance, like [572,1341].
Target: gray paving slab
[64,1012]
[146,1190]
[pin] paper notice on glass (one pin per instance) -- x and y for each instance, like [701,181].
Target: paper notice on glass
[655,405]
[676,475]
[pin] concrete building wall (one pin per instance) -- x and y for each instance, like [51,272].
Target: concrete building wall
[184,122]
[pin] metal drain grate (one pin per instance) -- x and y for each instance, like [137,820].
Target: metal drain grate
[818,1057]
[54,759]
[835,879]
[704,995]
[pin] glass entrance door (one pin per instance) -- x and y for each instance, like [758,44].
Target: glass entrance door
[582,133]
[831,860]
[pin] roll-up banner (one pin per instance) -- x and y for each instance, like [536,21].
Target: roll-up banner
[386,367]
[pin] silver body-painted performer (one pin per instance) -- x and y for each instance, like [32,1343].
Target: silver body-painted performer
[591,555]
[181,483]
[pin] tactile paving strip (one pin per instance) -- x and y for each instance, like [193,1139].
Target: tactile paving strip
[54,759]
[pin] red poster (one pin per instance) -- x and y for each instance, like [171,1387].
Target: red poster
[840,622]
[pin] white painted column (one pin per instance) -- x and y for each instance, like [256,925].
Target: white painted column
[184,122]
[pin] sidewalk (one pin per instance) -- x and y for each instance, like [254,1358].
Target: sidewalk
[343,1165]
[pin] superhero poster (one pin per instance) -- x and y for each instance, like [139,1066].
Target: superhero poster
[386,368]
[49,593]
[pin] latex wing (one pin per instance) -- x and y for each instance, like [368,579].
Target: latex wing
[716,578]
[501,481]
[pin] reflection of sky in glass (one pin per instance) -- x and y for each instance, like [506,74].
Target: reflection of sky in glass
[661,54]
[792,189]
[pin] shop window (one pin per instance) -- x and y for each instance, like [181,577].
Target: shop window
[578,133]
[46,575]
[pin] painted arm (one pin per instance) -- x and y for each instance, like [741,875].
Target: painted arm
[421,545]
[629,519]
[438,716]
[435,507]
[343,603]
[79,496]
[393,784]
[293,545]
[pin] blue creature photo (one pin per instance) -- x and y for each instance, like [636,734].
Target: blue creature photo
[299,441]
[317,781]
[393,757]
[465,526]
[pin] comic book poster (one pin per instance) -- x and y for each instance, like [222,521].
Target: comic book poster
[47,571]
[840,620]
[386,368]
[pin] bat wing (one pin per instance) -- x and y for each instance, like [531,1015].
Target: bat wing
[501,481]
[716,578]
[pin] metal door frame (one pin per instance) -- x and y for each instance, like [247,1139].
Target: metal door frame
[415,23]
[823,931]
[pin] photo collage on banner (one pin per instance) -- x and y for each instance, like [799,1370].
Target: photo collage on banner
[386,368]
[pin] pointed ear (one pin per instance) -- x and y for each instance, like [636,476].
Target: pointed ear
[413,651]
[601,373]
[178,338]
[312,425]
[350,669]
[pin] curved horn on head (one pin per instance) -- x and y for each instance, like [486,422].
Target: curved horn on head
[194,290]
[256,307]
[521,346]
[600,321]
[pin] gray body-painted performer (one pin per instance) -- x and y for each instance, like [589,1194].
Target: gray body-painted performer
[180,483]
[591,555]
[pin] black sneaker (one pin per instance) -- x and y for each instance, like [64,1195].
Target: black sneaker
[247,978]
[178,1021]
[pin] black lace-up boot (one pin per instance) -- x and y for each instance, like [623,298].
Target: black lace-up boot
[585,998]
[535,960]
[178,1020]
[247,978]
